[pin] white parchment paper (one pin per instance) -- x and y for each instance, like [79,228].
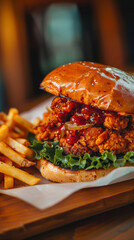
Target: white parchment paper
[47,194]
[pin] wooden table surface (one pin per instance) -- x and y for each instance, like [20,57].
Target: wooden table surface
[113,225]
[108,218]
[116,224]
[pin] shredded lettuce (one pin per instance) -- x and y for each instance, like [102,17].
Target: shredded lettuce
[54,153]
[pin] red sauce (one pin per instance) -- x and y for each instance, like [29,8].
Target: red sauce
[62,117]
[87,111]
[82,114]
[60,131]
[97,118]
[72,136]
[72,105]
[93,115]
[78,120]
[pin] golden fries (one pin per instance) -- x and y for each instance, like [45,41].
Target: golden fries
[18,174]
[10,117]
[21,132]
[23,141]
[4,130]
[8,181]
[3,117]
[14,156]
[14,134]
[23,123]
[14,149]
[18,147]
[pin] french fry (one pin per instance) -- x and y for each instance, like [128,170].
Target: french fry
[3,159]
[3,117]
[18,174]
[4,130]
[14,149]
[14,156]
[23,141]
[20,132]
[8,180]
[23,123]
[10,117]
[14,134]
[18,147]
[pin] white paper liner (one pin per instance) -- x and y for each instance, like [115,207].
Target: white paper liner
[46,195]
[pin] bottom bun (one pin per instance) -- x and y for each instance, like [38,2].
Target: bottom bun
[59,174]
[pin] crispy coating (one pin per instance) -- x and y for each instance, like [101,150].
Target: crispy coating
[58,104]
[86,143]
[91,134]
[116,134]
[116,144]
[110,141]
[44,133]
[129,136]
[116,122]
[43,130]
[46,129]
[102,137]
[79,148]
[50,120]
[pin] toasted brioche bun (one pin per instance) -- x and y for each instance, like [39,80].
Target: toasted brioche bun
[58,174]
[101,86]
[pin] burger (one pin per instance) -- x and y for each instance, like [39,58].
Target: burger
[89,128]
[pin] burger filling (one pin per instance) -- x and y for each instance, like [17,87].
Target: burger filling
[79,130]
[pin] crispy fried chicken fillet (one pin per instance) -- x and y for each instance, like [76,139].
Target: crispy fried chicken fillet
[46,129]
[79,148]
[116,122]
[129,136]
[115,143]
[115,133]
[86,143]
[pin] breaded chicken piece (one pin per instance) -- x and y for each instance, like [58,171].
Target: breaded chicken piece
[116,122]
[49,120]
[112,136]
[129,136]
[58,104]
[44,133]
[116,144]
[79,148]
[102,137]
[91,135]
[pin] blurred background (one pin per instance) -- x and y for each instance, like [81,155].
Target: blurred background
[37,36]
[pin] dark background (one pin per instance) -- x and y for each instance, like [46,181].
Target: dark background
[36,38]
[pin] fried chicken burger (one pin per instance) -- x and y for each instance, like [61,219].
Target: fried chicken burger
[89,128]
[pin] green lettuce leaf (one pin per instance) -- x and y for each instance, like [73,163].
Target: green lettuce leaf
[52,152]
[129,156]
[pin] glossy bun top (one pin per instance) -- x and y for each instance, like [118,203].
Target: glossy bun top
[101,86]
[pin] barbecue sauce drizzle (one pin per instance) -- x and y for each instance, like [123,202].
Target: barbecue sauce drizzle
[80,114]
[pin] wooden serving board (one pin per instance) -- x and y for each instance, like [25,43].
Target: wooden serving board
[20,220]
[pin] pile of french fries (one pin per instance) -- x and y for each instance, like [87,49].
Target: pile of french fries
[14,151]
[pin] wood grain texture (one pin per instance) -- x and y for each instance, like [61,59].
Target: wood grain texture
[20,220]
[116,224]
